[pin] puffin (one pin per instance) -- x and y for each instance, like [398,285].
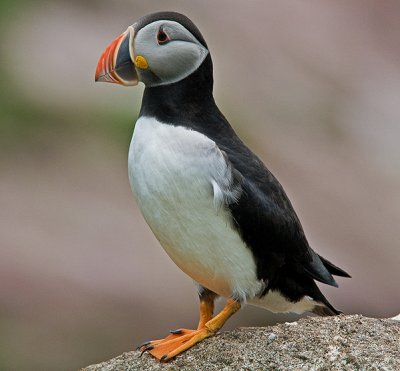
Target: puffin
[212,204]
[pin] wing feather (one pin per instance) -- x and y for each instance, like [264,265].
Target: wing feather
[267,222]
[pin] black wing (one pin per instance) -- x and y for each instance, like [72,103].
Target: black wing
[268,224]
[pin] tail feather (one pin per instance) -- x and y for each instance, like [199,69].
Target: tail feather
[325,311]
[317,270]
[333,269]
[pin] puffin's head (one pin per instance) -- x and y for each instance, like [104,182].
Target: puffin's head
[159,49]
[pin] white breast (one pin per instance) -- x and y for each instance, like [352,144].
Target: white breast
[174,173]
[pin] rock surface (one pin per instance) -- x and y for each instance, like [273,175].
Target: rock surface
[330,343]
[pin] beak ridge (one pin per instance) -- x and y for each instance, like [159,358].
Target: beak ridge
[115,64]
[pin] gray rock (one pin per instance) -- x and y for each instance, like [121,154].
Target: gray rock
[330,343]
[271,337]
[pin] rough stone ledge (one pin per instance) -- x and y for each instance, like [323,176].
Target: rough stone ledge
[314,343]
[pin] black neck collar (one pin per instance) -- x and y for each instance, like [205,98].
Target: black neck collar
[184,100]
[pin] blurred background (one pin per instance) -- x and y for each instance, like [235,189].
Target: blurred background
[313,87]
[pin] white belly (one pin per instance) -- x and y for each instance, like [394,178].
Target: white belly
[171,171]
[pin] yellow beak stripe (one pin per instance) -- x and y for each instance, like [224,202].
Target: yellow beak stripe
[141,62]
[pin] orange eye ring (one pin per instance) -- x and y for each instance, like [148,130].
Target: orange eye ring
[162,37]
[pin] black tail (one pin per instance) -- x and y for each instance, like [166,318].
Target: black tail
[333,269]
[322,270]
[325,310]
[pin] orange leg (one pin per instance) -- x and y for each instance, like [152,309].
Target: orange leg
[179,341]
[206,311]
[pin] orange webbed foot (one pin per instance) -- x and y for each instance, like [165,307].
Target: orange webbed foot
[173,335]
[172,345]
[180,340]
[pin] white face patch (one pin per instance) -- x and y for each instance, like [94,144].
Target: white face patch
[169,62]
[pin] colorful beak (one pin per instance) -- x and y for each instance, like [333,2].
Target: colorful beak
[116,63]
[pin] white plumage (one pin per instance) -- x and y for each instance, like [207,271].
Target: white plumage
[174,173]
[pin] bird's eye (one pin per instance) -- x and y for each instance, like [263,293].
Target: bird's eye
[162,37]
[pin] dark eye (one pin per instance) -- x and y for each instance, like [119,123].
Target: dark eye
[162,37]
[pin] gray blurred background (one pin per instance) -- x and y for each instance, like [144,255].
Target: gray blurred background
[312,86]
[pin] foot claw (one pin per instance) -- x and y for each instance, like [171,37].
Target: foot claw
[146,349]
[143,345]
[176,332]
[163,357]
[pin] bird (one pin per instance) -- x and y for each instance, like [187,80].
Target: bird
[215,208]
